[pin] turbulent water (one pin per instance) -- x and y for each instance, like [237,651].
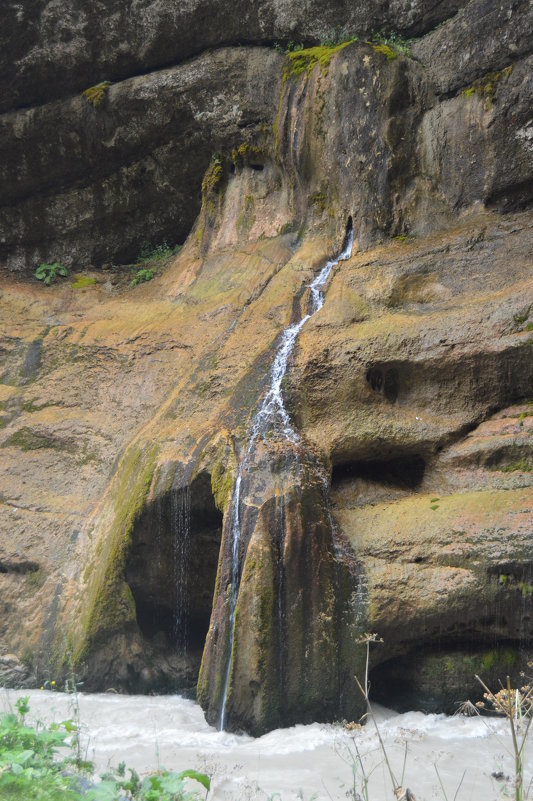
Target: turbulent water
[272,416]
[302,762]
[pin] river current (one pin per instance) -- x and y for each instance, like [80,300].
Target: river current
[302,762]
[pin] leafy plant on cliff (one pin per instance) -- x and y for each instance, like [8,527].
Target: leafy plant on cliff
[151,260]
[48,273]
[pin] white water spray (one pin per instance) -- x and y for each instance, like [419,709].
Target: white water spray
[272,415]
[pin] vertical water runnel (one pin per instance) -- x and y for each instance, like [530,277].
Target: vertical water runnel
[272,416]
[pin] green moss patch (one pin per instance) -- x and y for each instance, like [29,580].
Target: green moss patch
[246,155]
[386,51]
[485,87]
[222,481]
[95,95]
[83,281]
[301,61]
[213,177]
[29,440]
[522,466]
[109,604]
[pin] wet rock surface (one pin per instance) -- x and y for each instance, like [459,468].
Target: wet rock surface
[404,503]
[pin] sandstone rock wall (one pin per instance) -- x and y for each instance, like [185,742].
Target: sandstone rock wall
[407,509]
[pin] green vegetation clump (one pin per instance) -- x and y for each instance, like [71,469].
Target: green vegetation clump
[222,481]
[31,768]
[95,95]
[320,201]
[526,589]
[151,260]
[386,51]
[162,251]
[27,439]
[142,276]
[35,579]
[48,273]
[485,87]
[304,60]
[521,466]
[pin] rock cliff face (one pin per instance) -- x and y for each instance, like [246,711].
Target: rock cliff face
[404,503]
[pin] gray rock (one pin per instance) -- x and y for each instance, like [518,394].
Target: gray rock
[85,185]
[482,37]
[50,49]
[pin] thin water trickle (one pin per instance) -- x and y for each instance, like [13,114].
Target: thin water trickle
[236,539]
[273,416]
[181,536]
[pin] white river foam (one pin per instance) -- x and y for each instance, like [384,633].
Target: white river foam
[302,762]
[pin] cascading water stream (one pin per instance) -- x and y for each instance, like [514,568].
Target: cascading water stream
[272,415]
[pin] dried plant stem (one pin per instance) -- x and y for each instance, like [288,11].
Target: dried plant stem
[402,794]
[515,705]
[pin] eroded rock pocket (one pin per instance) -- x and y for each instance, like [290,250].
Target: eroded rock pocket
[171,571]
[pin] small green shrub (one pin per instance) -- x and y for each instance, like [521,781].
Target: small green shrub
[294,47]
[336,37]
[49,272]
[162,251]
[141,276]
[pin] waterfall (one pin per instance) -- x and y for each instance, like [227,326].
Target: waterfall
[181,541]
[272,416]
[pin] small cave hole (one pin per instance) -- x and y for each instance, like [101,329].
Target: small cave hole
[171,571]
[257,167]
[384,379]
[433,677]
[404,472]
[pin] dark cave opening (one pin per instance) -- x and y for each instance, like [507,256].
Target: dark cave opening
[402,472]
[440,677]
[171,571]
